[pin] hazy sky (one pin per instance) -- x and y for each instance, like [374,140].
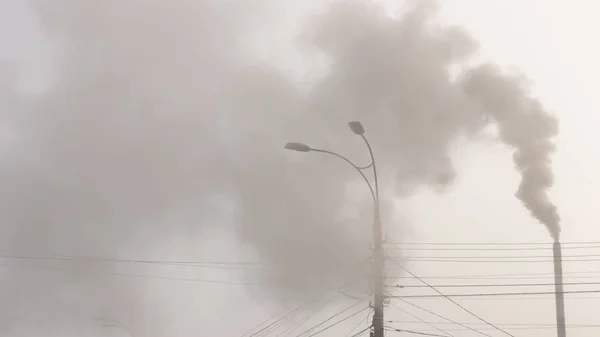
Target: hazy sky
[70,110]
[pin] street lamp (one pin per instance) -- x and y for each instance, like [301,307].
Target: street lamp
[356,127]
[378,257]
[298,147]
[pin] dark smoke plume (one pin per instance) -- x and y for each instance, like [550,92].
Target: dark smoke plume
[164,124]
[528,128]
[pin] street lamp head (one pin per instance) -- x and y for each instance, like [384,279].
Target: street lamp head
[356,127]
[297,147]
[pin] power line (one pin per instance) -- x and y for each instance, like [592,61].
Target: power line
[279,320]
[495,285]
[488,248]
[415,332]
[193,280]
[225,282]
[338,322]
[501,294]
[442,317]
[524,328]
[421,320]
[496,276]
[330,318]
[497,257]
[246,265]
[115,260]
[279,325]
[458,304]
[497,298]
[489,261]
[503,324]
[260,324]
[516,243]
[360,333]
[361,322]
[491,278]
[293,328]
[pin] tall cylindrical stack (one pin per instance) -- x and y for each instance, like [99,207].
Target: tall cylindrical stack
[558,287]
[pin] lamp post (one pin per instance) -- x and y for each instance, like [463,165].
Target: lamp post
[378,257]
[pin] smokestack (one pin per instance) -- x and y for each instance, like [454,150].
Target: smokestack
[558,287]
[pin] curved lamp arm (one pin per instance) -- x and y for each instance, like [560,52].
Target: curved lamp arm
[359,169]
[374,167]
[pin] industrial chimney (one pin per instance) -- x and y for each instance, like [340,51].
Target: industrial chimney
[558,288]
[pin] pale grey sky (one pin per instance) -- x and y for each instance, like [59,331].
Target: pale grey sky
[551,42]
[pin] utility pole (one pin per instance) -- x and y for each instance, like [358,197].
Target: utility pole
[378,274]
[378,255]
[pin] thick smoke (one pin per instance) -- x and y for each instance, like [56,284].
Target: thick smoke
[528,128]
[163,124]
[124,155]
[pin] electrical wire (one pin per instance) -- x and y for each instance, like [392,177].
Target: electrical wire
[541,278]
[502,294]
[252,330]
[294,327]
[338,322]
[458,304]
[140,276]
[260,324]
[541,325]
[422,320]
[497,276]
[280,319]
[115,260]
[361,322]
[479,257]
[442,317]
[329,319]
[516,299]
[414,332]
[259,267]
[360,333]
[457,277]
[192,280]
[280,324]
[487,248]
[247,265]
[495,285]
[441,260]
[516,243]
[523,328]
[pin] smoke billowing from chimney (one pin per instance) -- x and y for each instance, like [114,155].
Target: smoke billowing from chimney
[525,126]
